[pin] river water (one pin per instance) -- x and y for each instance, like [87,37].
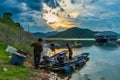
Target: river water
[103,63]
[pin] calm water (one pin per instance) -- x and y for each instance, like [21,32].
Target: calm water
[103,64]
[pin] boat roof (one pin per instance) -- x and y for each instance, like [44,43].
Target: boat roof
[107,33]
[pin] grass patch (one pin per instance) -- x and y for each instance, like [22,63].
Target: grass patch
[3,55]
[14,72]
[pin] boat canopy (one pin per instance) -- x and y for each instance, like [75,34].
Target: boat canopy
[107,33]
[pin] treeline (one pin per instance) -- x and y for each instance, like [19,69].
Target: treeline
[7,18]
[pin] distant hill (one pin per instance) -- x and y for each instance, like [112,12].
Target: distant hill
[44,35]
[75,33]
[12,33]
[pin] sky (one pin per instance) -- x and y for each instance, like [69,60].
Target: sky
[49,15]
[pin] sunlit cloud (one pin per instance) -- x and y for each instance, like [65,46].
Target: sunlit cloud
[57,18]
[60,17]
[62,13]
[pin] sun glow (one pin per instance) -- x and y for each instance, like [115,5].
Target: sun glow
[58,19]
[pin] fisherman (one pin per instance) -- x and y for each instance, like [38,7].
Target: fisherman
[37,52]
[52,47]
[70,51]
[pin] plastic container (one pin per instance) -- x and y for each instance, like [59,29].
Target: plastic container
[67,69]
[11,49]
[17,59]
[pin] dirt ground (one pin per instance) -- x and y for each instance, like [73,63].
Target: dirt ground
[39,74]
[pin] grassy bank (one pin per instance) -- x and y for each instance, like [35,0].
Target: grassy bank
[13,72]
[12,34]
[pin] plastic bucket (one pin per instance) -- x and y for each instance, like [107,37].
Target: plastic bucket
[17,59]
[67,69]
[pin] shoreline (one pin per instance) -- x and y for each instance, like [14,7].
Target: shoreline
[70,39]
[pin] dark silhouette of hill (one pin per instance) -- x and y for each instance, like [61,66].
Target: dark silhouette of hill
[44,35]
[75,33]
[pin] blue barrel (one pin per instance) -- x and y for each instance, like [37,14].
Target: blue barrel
[17,59]
[67,69]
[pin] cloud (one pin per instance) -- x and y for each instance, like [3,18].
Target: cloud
[63,14]
[24,6]
[33,4]
[109,2]
[24,11]
[19,6]
[56,16]
[9,6]
[109,15]
[97,24]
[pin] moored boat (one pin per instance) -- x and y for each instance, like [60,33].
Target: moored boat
[66,65]
[106,36]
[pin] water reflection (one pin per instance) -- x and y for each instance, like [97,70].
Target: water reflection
[103,63]
[63,43]
[107,46]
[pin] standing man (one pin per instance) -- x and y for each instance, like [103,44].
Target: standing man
[52,47]
[70,51]
[37,52]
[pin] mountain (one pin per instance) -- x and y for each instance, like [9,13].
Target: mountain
[43,35]
[75,33]
[13,34]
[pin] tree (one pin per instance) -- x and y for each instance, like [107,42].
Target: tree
[18,24]
[7,15]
